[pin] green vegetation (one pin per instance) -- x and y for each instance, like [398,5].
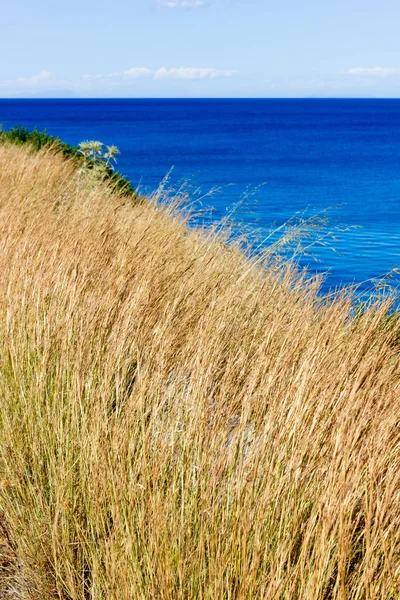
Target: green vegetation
[91,153]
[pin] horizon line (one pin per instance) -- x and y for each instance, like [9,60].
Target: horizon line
[200,98]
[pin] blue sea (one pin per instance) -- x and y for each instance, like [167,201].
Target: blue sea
[273,160]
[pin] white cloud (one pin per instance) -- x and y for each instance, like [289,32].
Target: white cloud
[44,77]
[44,83]
[164,73]
[374,71]
[113,83]
[191,73]
[137,72]
[93,77]
[181,3]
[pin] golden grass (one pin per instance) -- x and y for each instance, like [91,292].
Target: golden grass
[178,422]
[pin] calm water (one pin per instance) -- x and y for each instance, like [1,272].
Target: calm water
[292,155]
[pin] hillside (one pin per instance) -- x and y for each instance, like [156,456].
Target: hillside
[176,421]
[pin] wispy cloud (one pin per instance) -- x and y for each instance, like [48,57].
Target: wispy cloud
[136,72]
[45,80]
[44,77]
[372,71]
[129,80]
[192,73]
[164,73]
[181,3]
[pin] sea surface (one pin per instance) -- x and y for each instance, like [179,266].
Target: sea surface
[274,161]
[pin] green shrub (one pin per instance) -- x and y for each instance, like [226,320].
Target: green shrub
[99,161]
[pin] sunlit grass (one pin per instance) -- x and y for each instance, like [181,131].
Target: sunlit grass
[177,421]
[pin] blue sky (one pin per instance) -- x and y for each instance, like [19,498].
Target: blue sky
[200,48]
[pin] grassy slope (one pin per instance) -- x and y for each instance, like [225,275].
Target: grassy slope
[176,423]
[39,140]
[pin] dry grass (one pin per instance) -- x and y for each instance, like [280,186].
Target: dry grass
[178,423]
